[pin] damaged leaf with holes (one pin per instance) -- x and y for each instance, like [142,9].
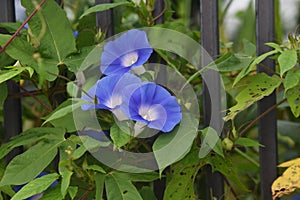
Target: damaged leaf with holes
[180,182]
[293,98]
[254,88]
[289,181]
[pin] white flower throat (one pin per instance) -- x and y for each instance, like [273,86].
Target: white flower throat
[149,113]
[129,59]
[114,101]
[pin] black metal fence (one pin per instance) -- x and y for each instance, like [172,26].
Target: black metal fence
[210,41]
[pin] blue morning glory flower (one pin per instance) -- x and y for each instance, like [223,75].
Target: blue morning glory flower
[37,196]
[130,50]
[76,33]
[108,92]
[25,26]
[152,105]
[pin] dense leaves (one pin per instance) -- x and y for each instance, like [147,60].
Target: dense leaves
[83,97]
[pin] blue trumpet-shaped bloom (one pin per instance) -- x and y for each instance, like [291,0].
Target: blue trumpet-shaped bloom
[130,50]
[107,92]
[153,105]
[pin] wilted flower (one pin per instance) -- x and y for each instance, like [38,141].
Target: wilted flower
[130,50]
[152,105]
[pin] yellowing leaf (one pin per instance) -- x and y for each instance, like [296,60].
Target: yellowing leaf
[281,186]
[255,88]
[290,163]
[289,181]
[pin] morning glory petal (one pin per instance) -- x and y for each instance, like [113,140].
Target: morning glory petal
[110,89]
[153,105]
[130,50]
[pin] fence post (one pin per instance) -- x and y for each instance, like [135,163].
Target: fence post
[210,42]
[104,20]
[160,184]
[12,106]
[267,127]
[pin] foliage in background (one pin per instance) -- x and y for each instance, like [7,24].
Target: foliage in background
[49,55]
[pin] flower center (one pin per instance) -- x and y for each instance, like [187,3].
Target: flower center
[149,113]
[114,101]
[129,59]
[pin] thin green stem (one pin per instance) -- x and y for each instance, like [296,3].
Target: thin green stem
[246,157]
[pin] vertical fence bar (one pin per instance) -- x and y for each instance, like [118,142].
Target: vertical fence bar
[267,127]
[159,185]
[210,42]
[12,106]
[104,20]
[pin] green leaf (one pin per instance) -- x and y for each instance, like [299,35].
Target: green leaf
[57,39]
[291,79]
[211,140]
[170,147]
[47,69]
[99,179]
[78,152]
[249,49]
[11,27]
[7,190]
[26,166]
[247,142]
[91,61]
[66,149]
[121,189]
[140,177]
[92,144]
[147,193]
[9,74]
[20,50]
[36,186]
[103,7]
[65,108]
[118,136]
[165,147]
[275,46]
[287,60]
[250,67]
[255,88]
[72,89]
[72,190]
[3,94]
[230,62]
[74,60]
[32,135]
[5,59]
[225,166]
[182,177]
[53,193]
[65,182]
[96,168]
[293,98]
